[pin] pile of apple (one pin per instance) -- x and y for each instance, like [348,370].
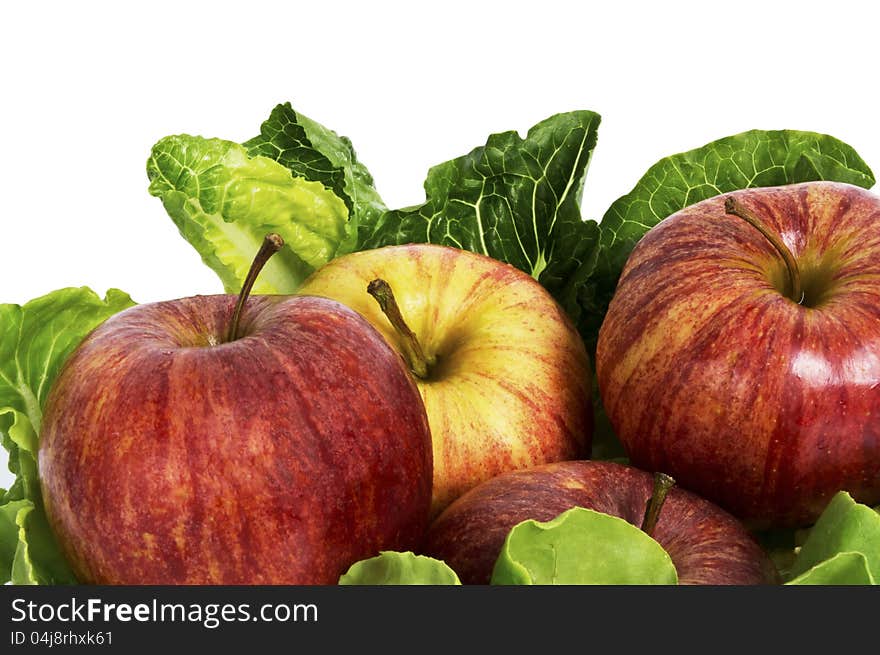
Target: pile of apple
[427,398]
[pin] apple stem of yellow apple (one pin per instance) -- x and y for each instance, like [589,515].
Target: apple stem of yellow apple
[272,243]
[662,484]
[736,208]
[418,362]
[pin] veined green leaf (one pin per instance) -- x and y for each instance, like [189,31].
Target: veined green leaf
[35,340]
[395,568]
[310,150]
[514,199]
[756,158]
[582,546]
[37,337]
[224,201]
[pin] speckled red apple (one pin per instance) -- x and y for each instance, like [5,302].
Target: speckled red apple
[715,370]
[170,455]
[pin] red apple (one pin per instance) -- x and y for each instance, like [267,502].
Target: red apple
[503,373]
[714,368]
[706,544]
[171,454]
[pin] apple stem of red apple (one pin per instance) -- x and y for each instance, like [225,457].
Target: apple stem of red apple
[736,208]
[272,243]
[418,362]
[662,484]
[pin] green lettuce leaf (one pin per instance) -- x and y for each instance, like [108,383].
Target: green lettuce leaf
[514,199]
[751,159]
[849,568]
[35,340]
[395,568]
[224,201]
[311,151]
[845,527]
[582,546]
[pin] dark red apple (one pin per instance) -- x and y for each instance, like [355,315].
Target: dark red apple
[171,454]
[706,544]
[747,365]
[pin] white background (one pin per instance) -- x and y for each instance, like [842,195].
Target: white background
[87,88]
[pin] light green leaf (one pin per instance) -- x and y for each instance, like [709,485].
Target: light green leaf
[514,199]
[395,568]
[310,150]
[582,546]
[224,201]
[35,341]
[847,568]
[756,158]
[9,531]
[28,551]
[844,527]
[20,440]
[37,559]
[36,338]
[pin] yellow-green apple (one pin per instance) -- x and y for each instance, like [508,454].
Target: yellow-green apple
[706,544]
[182,446]
[504,376]
[741,350]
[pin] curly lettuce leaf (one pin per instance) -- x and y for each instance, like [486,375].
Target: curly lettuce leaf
[396,568]
[224,201]
[756,158]
[35,340]
[582,546]
[314,152]
[514,199]
[844,541]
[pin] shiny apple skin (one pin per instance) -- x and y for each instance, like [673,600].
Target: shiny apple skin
[706,544]
[279,458]
[709,373]
[511,387]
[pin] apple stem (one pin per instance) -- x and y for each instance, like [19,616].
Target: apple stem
[736,208]
[418,362]
[272,243]
[662,484]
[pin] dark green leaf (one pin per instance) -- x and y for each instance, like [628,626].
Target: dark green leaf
[605,443]
[310,150]
[514,199]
